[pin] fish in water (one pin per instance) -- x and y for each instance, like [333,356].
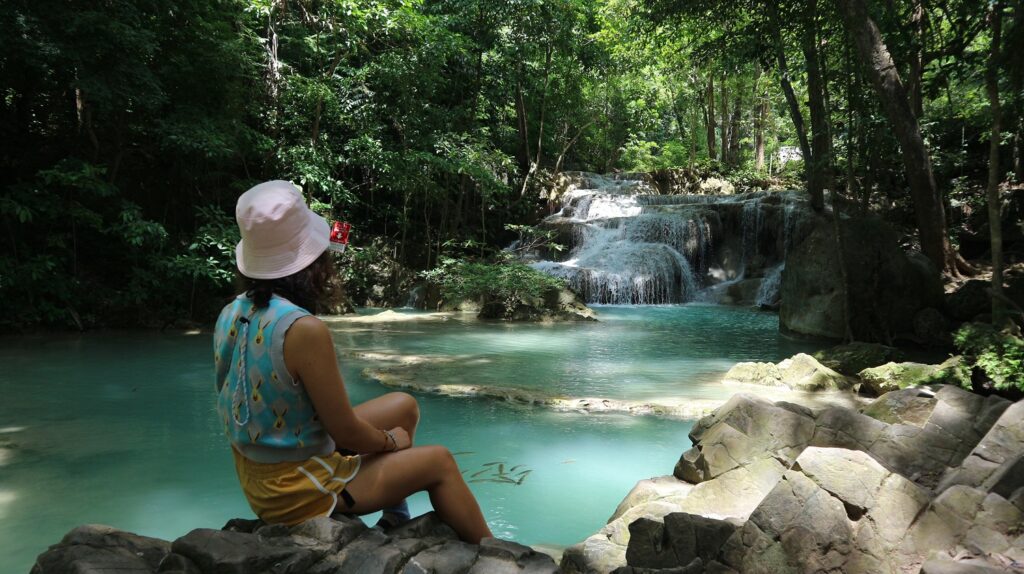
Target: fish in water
[462,452]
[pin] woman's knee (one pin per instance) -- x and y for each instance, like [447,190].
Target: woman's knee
[442,461]
[409,407]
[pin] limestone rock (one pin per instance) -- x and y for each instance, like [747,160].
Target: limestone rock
[920,433]
[744,430]
[677,542]
[906,406]
[950,567]
[801,373]
[836,510]
[832,490]
[852,358]
[965,517]
[895,376]
[932,328]
[751,373]
[337,545]
[969,300]
[996,464]
[240,553]
[887,287]
[98,548]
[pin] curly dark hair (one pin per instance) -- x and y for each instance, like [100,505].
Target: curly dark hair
[305,288]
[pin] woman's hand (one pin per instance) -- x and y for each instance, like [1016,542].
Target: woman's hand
[402,440]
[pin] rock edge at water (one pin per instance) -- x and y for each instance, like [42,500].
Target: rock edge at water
[334,545]
[921,480]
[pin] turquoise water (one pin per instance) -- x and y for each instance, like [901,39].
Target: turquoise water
[634,352]
[119,428]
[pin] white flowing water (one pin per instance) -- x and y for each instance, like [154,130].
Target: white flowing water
[633,246]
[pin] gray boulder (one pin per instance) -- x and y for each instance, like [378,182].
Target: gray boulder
[971,299]
[932,328]
[896,376]
[830,490]
[678,541]
[337,545]
[800,372]
[996,464]
[836,510]
[97,548]
[887,287]
[962,519]
[744,430]
[852,358]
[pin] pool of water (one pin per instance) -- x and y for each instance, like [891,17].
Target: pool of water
[120,428]
[634,352]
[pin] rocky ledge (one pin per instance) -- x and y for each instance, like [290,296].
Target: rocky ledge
[924,480]
[334,545]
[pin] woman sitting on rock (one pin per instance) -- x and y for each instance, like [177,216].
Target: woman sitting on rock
[283,403]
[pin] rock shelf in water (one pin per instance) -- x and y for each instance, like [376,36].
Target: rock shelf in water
[406,376]
[922,480]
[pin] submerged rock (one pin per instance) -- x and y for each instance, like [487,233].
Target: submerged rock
[831,490]
[336,545]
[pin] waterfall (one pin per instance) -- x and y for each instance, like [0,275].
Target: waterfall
[788,223]
[751,229]
[630,245]
[768,291]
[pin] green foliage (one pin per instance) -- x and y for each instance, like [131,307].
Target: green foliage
[998,354]
[507,282]
[132,127]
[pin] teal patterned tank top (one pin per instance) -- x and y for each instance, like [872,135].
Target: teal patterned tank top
[267,416]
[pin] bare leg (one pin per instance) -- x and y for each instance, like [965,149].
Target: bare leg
[390,411]
[385,479]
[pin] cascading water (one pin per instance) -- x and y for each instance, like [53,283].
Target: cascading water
[631,245]
[768,291]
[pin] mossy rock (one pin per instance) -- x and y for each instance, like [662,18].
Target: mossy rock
[852,358]
[896,376]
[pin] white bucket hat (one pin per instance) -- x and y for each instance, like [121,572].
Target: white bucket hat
[280,234]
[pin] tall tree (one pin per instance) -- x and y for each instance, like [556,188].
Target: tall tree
[881,69]
[995,17]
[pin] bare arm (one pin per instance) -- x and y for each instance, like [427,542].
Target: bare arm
[309,356]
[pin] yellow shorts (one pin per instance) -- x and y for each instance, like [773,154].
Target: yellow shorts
[293,492]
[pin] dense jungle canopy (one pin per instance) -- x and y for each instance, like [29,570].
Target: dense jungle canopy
[129,127]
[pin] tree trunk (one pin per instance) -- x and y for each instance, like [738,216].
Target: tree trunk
[916,71]
[817,201]
[724,155]
[523,154]
[994,216]
[874,56]
[853,126]
[693,140]
[820,163]
[710,117]
[1015,45]
[734,130]
[543,102]
[760,110]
